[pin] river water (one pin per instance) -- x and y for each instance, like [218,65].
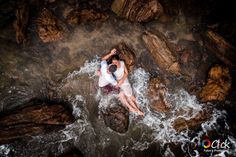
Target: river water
[68,69]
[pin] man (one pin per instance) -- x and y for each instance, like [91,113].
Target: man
[105,76]
[116,74]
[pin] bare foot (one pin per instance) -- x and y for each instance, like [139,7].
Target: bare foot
[140,113]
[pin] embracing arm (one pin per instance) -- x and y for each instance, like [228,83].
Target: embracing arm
[121,81]
[107,56]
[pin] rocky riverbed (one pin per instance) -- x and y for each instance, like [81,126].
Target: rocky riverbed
[182,73]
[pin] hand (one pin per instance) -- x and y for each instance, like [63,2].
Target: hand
[117,86]
[99,72]
[120,82]
[113,51]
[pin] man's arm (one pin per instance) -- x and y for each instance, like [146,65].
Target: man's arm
[113,81]
[107,56]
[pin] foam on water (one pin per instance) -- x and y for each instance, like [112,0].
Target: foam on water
[139,79]
[183,105]
[88,68]
[4,150]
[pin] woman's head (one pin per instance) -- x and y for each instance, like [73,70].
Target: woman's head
[115,59]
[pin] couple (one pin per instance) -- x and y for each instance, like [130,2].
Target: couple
[116,74]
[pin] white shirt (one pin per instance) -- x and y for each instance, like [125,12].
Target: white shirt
[105,77]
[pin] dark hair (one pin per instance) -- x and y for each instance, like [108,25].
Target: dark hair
[112,68]
[115,57]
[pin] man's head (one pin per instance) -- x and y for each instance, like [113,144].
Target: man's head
[112,68]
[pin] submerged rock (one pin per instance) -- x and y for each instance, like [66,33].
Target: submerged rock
[116,117]
[74,152]
[218,84]
[137,10]
[126,54]
[159,50]
[157,92]
[181,123]
[77,16]
[33,120]
[48,27]
[20,24]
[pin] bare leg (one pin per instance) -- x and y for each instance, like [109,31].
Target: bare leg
[132,102]
[124,101]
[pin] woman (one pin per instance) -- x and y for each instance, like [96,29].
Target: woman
[121,75]
[116,74]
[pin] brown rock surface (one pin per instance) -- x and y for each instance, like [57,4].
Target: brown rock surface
[78,16]
[156,94]
[117,118]
[220,47]
[137,10]
[47,27]
[20,24]
[159,50]
[126,54]
[181,123]
[33,120]
[218,84]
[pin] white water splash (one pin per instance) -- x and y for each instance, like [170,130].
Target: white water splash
[89,68]
[183,105]
[140,86]
[77,103]
[106,101]
[4,150]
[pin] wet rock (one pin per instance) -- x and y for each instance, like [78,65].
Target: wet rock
[218,84]
[33,120]
[74,152]
[137,10]
[77,16]
[181,123]
[126,54]
[160,51]
[116,117]
[220,47]
[48,27]
[157,92]
[20,24]
[171,8]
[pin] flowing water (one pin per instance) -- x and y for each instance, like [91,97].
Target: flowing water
[96,139]
[89,133]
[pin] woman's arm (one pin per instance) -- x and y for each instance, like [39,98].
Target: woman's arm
[121,81]
[107,56]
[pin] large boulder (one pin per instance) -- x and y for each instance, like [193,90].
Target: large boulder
[77,16]
[116,117]
[181,123]
[48,27]
[137,10]
[218,84]
[33,120]
[157,95]
[20,24]
[126,54]
[161,53]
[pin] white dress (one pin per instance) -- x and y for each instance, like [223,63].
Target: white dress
[125,87]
